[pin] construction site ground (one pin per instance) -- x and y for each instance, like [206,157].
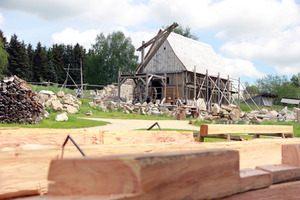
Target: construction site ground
[25,154]
[132,124]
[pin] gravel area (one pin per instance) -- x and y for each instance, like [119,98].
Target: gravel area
[133,124]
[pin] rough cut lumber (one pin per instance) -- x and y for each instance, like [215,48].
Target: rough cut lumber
[29,152]
[286,191]
[254,179]
[281,173]
[86,137]
[171,175]
[237,129]
[212,129]
[291,154]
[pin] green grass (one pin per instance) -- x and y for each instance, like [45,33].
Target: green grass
[245,108]
[99,113]
[53,88]
[295,125]
[73,122]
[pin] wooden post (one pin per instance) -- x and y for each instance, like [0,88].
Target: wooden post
[165,88]
[119,87]
[81,78]
[146,95]
[239,82]
[186,92]
[206,91]
[182,86]
[219,94]
[195,78]
[143,52]
[228,88]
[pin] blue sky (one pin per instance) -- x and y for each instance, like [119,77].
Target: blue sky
[253,37]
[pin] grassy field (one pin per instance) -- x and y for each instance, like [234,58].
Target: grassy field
[74,122]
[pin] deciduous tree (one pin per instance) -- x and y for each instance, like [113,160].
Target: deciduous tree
[3,59]
[109,55]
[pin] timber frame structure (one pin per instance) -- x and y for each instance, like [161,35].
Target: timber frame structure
[164,74]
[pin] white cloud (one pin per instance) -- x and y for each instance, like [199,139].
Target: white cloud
[281,50]
[2,20]
[229,18]
[255,30]
[239,67]
[88,37]
[71,36]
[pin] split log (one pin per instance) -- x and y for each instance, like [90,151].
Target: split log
[172,175]
[291,155]
[18,104]
[281,173]
[253,179]
[29,152]
[290,190]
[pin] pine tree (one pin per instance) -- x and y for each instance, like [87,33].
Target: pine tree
[79,59]
[58,64]
[30,54]
[13,50]
[51,76]
[40,64]
[23,71]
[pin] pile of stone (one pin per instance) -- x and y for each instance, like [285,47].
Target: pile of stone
[18,103]
[60,102]
[232,114]
[226,114]
[108,100]
[138,108]
[110,92]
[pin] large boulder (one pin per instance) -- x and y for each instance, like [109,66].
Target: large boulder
[71,109]
[61,117]
[216,108]
[48,103]
[289,117]
[284,111]
[255,120]
[263,111]
[235,114]
[57,106]
[60,94]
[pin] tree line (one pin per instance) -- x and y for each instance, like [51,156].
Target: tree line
[100,64]
[276,84]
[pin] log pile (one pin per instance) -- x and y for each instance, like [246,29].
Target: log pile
[18,103]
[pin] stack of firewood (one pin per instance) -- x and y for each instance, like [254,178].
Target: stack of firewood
[18,103]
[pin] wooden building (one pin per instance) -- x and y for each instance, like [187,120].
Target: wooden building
[177,67]
[263,99]
[292,101]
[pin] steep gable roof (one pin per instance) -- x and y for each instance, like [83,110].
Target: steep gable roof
[194,53]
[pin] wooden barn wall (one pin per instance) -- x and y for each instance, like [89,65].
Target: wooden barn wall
[173,78]
[164,60]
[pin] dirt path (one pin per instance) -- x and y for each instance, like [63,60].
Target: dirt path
[133,124]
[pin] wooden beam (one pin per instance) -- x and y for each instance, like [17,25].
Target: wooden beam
[239,129]
[158,36]
[254,179]
[281,173]
[275,192]
[151,176]
[291,154]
